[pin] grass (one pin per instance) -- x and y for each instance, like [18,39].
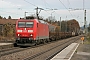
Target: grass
[88,38]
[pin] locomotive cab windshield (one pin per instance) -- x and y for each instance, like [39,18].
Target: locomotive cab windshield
[25,24]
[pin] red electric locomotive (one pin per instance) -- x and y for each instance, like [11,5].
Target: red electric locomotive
[31,31]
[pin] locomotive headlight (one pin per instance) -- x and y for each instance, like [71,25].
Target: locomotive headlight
[30,30]
[18,34]
[19,30]
[31,35]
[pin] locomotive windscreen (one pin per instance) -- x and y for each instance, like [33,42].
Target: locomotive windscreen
[25,24]
[29,24]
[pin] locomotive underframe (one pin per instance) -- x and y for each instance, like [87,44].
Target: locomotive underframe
[29,41]
[24,41]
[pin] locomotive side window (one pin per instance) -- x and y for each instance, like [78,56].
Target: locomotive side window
[29,24]
[21,24]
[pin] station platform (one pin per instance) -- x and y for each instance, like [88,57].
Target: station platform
[2,44]
[5,45]
[66,53]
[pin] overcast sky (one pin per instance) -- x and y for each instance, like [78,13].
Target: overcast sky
[65,9]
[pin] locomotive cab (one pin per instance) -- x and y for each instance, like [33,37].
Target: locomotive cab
[25,31]
[30,32]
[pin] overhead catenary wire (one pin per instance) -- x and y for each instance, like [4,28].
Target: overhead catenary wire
[65,7]
[62,4]
[30,3]
[69,6]
[46,3]
[10,12]
[33,5]
[7,11]
[68,3]
[49,8]
[37,6]
[19,8]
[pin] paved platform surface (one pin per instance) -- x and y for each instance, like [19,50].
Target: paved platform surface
[66,53]
[2,44]
[5,45]
[82,52]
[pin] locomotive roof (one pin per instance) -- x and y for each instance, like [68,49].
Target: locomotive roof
[38,21]
[27,20]
[41,21]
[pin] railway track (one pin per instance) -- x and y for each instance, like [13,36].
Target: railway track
[32,53]
[44,55]
[11,50]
